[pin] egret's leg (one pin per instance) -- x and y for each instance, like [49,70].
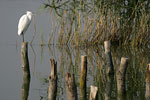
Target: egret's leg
[23,37]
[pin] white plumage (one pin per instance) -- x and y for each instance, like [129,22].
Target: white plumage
[24,23]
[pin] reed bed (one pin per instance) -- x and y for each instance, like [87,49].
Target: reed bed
[91,22]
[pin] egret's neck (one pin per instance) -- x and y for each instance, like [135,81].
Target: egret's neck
[30,17]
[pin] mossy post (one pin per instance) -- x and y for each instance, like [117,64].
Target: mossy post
[26,71]
[71,89]
[121,74]
[147,80]
[83,75]
[110,67]
[52,90]
[93,92]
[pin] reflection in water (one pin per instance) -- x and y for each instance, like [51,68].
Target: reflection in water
[70,66]
[41,53]
[68,60]
[34,23]
[34,59]
[109,87]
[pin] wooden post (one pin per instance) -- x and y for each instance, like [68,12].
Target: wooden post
[25,84]
[71,89]
[147,94]
[109,70]
[110,67]
[93,92]
[121,73]
[24,55]
[52,91]
[83,75]
[26,71]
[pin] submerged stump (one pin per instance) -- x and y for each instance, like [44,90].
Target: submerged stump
[71,89]
[52,90]
[26,71]
[121,74]
[147,80]
[83,75]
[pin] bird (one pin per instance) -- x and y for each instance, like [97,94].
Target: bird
[24,23]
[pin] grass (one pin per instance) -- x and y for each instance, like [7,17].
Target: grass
[92,22]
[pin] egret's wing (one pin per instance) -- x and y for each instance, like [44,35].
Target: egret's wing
[23,24]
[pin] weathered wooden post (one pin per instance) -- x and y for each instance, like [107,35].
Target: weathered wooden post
[52,90]
[109,70]
[147,94]
[110,67]
[24,55]
[121,74]
[26,71]
[25,84]
[93,92]
[83,75]
[71,89]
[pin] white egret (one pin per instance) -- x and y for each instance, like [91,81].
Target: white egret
[24,23]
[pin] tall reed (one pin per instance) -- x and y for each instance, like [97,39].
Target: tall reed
[92,22]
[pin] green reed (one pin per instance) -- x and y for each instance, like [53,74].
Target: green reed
[94,21]
[41,42]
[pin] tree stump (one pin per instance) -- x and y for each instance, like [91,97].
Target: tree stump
[121,73]
[52,90]
[71,89]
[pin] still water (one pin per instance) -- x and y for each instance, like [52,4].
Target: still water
[68,59]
